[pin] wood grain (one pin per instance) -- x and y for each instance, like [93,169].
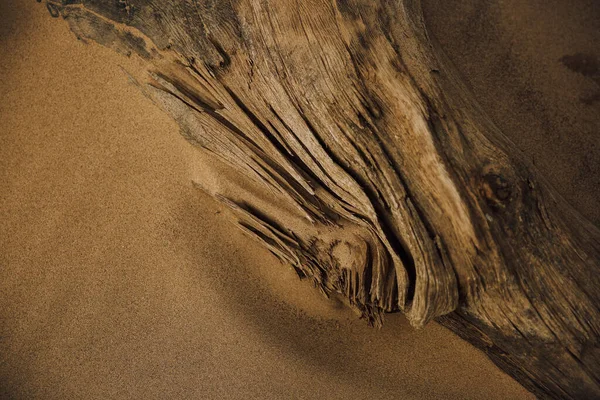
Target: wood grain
[407,197]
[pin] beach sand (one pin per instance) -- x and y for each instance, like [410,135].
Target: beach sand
[119,279]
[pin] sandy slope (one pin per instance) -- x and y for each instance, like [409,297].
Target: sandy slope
[120,280]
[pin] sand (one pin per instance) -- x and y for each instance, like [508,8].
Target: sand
[119,279]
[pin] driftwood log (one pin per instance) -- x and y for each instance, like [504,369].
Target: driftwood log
[406,197]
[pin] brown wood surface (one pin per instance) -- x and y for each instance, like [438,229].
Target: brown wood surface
[406,197]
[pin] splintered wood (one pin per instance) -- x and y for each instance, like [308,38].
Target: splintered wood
[407,197]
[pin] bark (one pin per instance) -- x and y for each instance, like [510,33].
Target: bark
[406,197]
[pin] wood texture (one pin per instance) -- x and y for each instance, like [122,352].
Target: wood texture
[406,197]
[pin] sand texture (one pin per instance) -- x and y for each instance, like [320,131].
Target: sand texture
[119,279]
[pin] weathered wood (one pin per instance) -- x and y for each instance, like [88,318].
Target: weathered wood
[408,198]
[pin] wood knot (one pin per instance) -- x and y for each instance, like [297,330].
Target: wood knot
[53,10]
[496,190]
